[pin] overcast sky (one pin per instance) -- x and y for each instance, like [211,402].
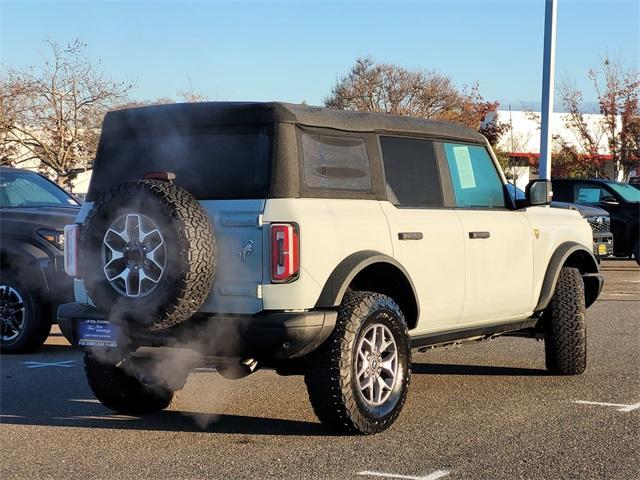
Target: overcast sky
[294,51]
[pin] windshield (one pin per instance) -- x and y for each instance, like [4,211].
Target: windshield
[626,191]
[24,189]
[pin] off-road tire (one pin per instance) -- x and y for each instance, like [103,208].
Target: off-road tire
[121,392]
[191,254]
[566,327]
[37,318]
[636,252]
[330,376]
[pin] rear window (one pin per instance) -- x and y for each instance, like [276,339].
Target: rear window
[211,163]
[335,162]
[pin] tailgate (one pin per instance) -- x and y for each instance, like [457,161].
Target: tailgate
[239,239]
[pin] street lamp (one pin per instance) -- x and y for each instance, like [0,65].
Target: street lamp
[548,74]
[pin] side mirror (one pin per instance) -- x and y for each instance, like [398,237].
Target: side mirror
[609,201]
[538,192]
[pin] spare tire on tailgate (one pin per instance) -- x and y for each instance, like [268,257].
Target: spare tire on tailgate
[148,254]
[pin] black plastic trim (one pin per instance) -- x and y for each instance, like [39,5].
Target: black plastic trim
[410,236]
[341,277]
[557,261]
[593,283]
[269,335]
[470,332]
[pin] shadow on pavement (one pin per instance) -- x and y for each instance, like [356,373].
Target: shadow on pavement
[60,397]
[451,369]
[170,421]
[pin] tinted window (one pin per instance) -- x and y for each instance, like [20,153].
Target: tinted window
[515,192]
[629,193]
[562,192]
[590,193]
[335,162]
[19,189]
[411,170]
[212,163]
[476,182]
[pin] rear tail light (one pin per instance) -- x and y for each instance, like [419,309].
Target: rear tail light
[285,252]
[71,249]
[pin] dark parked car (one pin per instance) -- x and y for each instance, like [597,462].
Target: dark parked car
[33,212]
[599,221]
[621,200]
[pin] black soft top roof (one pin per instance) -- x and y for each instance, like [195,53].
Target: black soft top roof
[205,114]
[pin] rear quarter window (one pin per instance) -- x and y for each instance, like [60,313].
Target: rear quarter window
[335,162]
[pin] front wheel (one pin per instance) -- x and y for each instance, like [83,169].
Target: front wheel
[566,335]
[359,378]
[24,324]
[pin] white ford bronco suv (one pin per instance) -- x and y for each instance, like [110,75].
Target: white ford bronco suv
[311,241]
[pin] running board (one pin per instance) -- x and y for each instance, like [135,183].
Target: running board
[470,334]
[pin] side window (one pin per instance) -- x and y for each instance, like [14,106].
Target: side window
[476,182]
[562,191]
[589,193]
[411,170]
[335,162]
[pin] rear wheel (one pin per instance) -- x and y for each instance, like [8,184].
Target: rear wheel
[122,392]
[566,335]
[358,380]
[24,324]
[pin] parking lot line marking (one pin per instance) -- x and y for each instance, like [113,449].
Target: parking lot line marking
[622,407]
[432,476]
[630,408]
[62,364]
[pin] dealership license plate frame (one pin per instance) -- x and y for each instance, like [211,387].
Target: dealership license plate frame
[94,332]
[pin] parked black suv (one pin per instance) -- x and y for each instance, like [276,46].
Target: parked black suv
[598,219]
[621,200]
[33,212]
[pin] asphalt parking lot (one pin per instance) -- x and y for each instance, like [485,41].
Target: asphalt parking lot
[485,410]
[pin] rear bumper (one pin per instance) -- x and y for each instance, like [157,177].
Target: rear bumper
[269,335]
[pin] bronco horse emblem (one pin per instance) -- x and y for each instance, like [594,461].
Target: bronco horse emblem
[246,251]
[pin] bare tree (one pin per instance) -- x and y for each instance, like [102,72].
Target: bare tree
[186,96]
[575,120]
[8,149]
[617,90]
[389,88]
[55,111]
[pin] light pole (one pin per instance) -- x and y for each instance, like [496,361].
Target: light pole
[548,75]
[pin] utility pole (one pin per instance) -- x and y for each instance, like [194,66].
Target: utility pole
[548,76]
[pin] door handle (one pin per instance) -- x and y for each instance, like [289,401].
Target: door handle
[410,236]
[474,235]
